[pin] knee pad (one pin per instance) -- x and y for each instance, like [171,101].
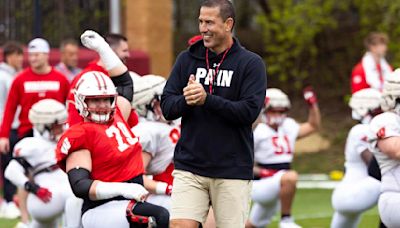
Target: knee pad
[138,221]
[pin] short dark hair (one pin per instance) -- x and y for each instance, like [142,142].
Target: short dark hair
[226,8]
[65,42]
[11,47]
[375,38]
[114,39]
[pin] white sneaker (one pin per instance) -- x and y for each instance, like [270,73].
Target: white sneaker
[12,211]
[21,225]
[288,222]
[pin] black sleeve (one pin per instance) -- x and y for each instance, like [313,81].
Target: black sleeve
[373,169]
[173,103]
[124,84]
[24,163]
[252,96]
[160,214]
[79,179]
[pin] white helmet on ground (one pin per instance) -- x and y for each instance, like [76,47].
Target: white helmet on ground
[95,84]
[276,99]
[391,92]
[46,113]
[146,89]
[365,104]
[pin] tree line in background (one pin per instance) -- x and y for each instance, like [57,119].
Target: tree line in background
[59,19]
[303,42]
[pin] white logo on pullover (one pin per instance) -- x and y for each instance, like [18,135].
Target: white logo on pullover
[223,79]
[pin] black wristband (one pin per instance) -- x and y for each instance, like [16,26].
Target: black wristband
[31,187]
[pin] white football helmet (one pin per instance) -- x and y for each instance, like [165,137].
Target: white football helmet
[391,92]
[45,114]
[276,99]
[95,84]
[146,89]
[365,104]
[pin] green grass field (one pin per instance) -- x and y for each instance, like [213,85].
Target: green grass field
[312,209]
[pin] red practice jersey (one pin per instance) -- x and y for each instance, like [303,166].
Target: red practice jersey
[27,89]
[115,151]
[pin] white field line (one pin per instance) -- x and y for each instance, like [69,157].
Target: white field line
[317,184]
[308,216]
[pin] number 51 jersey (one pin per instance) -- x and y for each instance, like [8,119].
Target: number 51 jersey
[115,151]
[273,147]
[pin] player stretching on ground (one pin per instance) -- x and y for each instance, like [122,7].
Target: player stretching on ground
[34,168]
[273,152]
[385,142]
[357,192]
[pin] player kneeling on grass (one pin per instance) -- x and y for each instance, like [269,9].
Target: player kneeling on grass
[274,140]
[385,145]
[102,157]
[358,191]
[157,136]
[34,168]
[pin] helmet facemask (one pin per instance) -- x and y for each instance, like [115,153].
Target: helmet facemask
[275,116]
[363,117]
[53,131]
[155,109]
[95,88]
[102,115]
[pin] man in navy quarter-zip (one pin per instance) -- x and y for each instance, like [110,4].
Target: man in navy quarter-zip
[218,88]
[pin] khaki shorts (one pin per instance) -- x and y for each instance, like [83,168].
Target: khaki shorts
[192,196]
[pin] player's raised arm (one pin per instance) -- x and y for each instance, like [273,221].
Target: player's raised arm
[314,116]
[113,64]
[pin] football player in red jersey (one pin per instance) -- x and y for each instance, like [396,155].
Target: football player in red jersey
[113,45]
[103,158]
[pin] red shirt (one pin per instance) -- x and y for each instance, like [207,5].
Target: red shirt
[358,79]
[27,89]
[165,176]
[116,153]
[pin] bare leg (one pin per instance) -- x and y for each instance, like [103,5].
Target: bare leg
[23,195]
